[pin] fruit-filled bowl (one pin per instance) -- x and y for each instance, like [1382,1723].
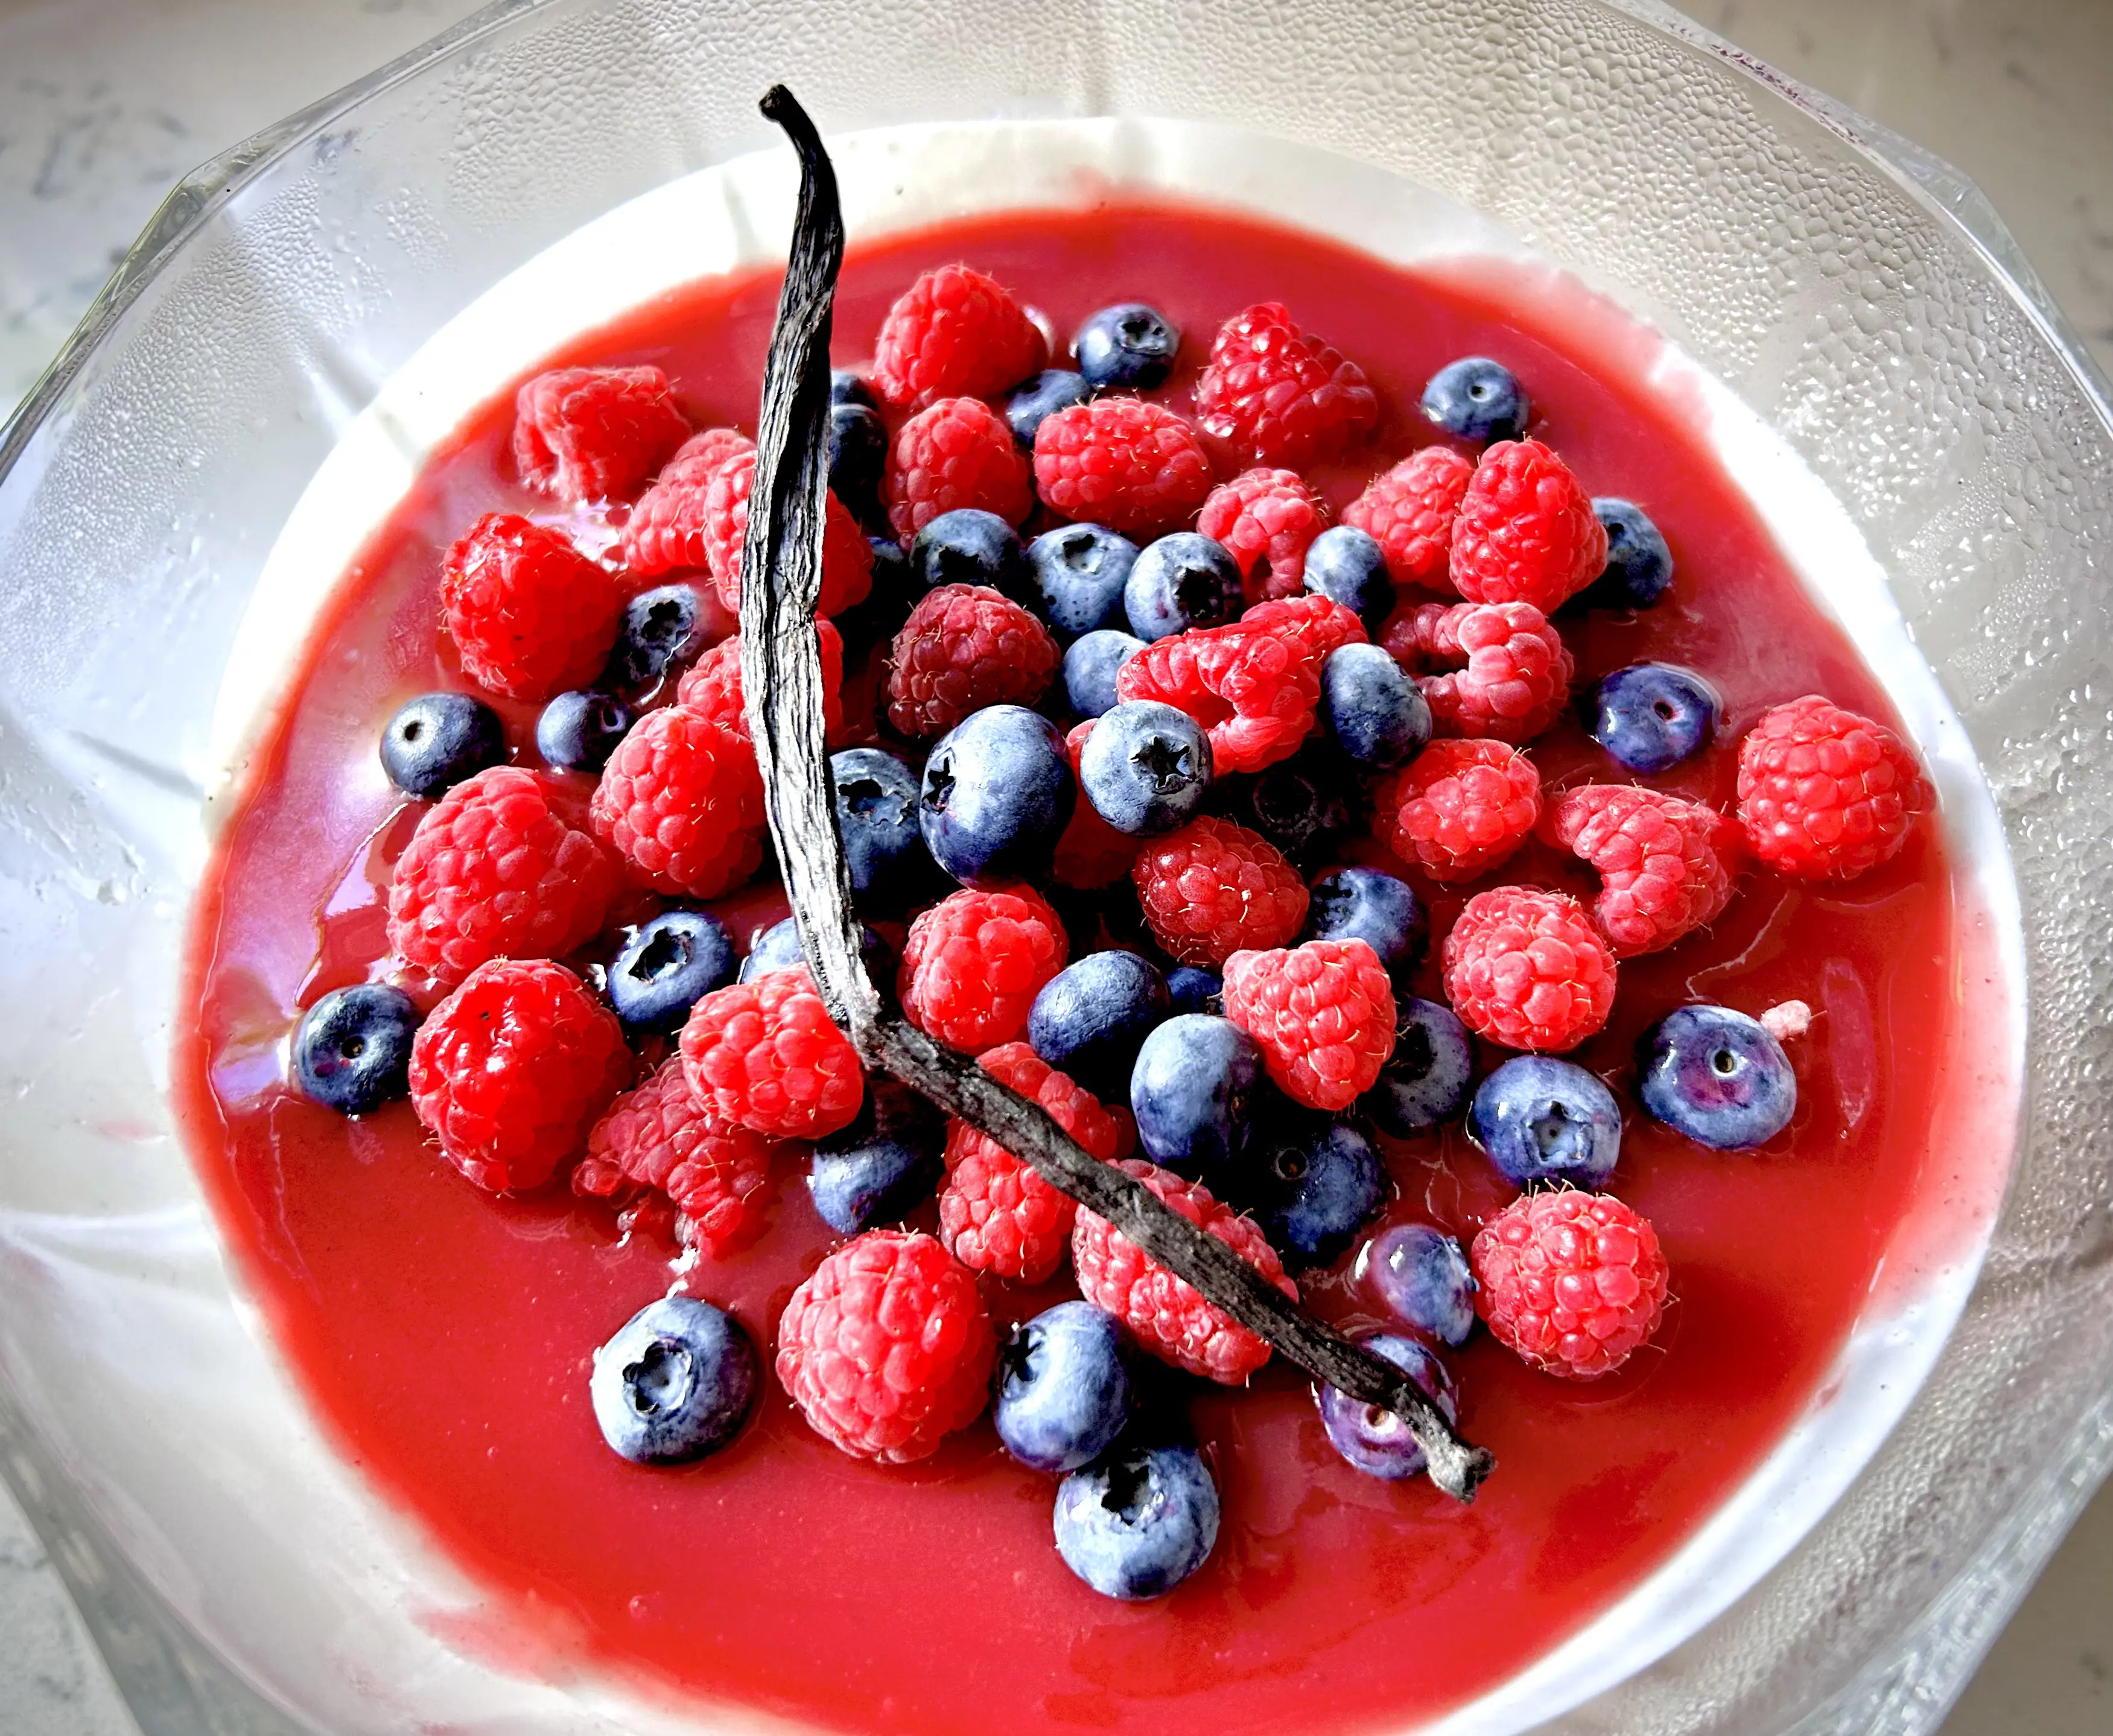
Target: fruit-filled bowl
[307,1406]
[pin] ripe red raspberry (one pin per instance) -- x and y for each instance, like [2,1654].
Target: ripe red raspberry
[1166,1314]
[1666,866]
[1409,512]
[974,964]
[765,1055]
[1526,531]
[1517,678]
[954,333]
[509,1071]
[1212,888]
[706,450]
[1317,626]
[1572,1283]
[887,1350]
[1267,519]
[1823,794]
[596,433]
[661,1142]
[499,868]
[1280,396]
[957,453]
[965,647]
[681,801]
[1135,466]
[529,613]
[1092,853]
[1322,1014]
[1458,808]
[1253,689]
[997,1214]
[713,686]
[670,529]
[1527,968]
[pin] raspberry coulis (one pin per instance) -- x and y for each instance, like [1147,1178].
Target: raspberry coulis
[443,1336]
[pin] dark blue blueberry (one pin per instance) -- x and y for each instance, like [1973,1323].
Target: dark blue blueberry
[1540,1119]
[1181,581]
[1378,1442]
[1718,1076]
[879,617]
[999,793]
[1422,1275]
[667,966]
[1372,707]
[884,1165]
[1652,716]
[1063,1387]
[968,546]
[1091,666]
[1139,1523]
[1425,1081]
[1639,565]
[858,459]
[662,628]
[1189,990]
[778,948]
[1080,571]
[437,740]
[1146,768]
[353,1051]
[1193,1091]
[578,732]
[1477,399]
[1363,904]
[676,1383]
[877,817]
[1302,804]
[1130,345]
[1091,1017]
[1347,566]
[1313,1183]
[1028,405]
[846,387]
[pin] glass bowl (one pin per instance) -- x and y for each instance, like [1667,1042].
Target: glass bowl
[1856,296]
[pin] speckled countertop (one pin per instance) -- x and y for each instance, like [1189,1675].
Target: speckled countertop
[103,104]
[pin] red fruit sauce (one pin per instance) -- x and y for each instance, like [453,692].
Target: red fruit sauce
[444,1335]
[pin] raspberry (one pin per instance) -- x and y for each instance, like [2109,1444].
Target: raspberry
[1458,808]
[509,1071]
[1253,690]
[1527,968]
[1525,532]
[594,433]
[1317,626]
[1135,466]
[974,964]
[954,333]
[1408,510]
[681,801]
[887,1350]
[713,685]
[1571,1282]
[671,528]
[1212,887]
[997,1214]
[1823,794]
[1323,1014]
[529,613]
[706,451]
[499,868]
[1268,519]
[661,1142]
[1166,1314]
[1516,681]
[965,647]
[957,453]
[765,1055]
[1281,397]
[1092,853]
[1666,866]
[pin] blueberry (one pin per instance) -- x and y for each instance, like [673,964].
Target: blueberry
[1718,1076]
[437,740]
[1181,581]
[1540,1119]
[1363,904]
[879,617]
[1146,768]
[353,1051]
[1639,565]
[1130,345]
[1028,405]
[1422,1275]
[1080,571]
[1477,399]
[1378,1442]
[1193,1091]
[876,798]
[1425,1081]
[1063,1387]
[1138,1523]
[1347,566]
[858,459]
[883,1166]
[667,966]
[1371,707]
[778,948]
[578,732]
[1652,716]
[1091,666]
[968,546]
[846,387]
[662,628]
[1302,804]
[999,793]
[1313,1183]
[1189,990]
[1091,1017]
[676,1383]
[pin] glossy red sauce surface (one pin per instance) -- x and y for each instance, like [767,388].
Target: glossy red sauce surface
[444,1335]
